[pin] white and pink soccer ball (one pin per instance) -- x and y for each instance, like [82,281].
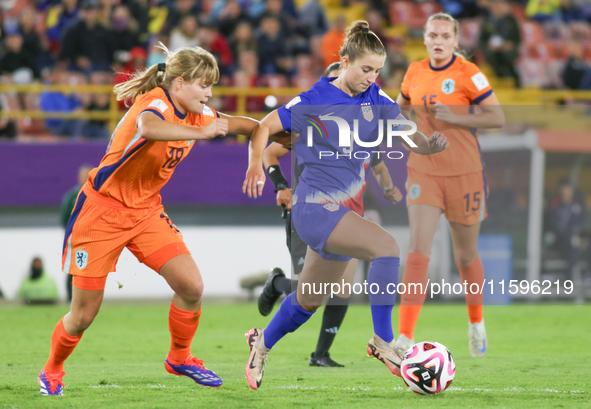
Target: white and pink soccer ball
[428,368]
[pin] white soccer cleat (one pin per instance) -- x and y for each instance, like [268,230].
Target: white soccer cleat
[403,343]
[385,352]
[477,339]
[257,358]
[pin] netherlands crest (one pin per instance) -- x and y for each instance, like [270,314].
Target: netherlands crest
[367,112]
[81,259]
[414,191]
[448,86]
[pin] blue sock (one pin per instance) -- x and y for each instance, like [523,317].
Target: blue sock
[289,317]
[383,271]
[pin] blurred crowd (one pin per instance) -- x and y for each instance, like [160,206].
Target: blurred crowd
[267,43]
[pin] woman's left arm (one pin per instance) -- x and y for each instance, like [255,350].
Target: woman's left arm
[492,115]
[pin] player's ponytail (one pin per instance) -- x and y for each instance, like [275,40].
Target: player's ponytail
[361,40]
[187,63]
[448,17]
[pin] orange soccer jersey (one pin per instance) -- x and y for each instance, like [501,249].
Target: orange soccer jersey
[135,169]
[460,85]
[120,205]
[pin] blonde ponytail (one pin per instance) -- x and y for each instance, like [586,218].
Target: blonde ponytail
[187,63]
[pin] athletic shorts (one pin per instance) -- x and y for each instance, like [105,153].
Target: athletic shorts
[315,222]
[295,244]
[100,228]
[462,198]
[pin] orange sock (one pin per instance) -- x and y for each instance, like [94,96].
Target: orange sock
[415,271]
[62,345]
[473,273]
[182,326]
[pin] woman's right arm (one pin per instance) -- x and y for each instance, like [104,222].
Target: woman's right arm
[404,105]
[271,157]
[150,126]
[425,145]
[270,125]
[273,153]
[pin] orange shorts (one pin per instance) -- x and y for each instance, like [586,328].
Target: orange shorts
[99,229]
[462,198]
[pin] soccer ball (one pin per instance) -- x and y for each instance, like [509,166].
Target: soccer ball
[428,368]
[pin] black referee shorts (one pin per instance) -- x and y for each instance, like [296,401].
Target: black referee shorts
[297,247]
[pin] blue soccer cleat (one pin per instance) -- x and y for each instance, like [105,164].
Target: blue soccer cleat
[194,369]
[51,383]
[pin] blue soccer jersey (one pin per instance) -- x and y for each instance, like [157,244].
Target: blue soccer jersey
[330,172]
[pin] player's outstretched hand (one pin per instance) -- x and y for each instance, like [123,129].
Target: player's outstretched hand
[254,181]
[217,127]
[393,194]
[284,198]
[437,142]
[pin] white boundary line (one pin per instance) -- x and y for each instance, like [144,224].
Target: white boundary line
[367,388]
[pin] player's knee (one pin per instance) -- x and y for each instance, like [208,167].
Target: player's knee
[386,247]
[420,247]
[192,293]
[465,256]
[310,308]
[310,302]
[82,320]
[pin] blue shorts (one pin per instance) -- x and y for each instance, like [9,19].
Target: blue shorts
[315,222]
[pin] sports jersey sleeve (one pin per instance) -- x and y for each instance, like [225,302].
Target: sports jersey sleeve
[203,119]
[285,111]
[389,109]
[405,86]
[209,111]
[159,107]
[476,84]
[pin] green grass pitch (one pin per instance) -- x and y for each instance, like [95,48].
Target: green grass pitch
[539,356]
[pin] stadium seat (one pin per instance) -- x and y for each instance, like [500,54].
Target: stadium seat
[274,81]
[518,12]
[532,72]
[587,52]
[303,81]
[553,73]
[401,12]
[101,78]
[528,51]
[539,51]
[412,14]
[580,31]
[559,49]
[556,30]
[11,101]
[13,9]
[531,32]
[548,50]
[423,11]
[469,33]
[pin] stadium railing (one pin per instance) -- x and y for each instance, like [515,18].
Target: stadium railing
[523,97]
